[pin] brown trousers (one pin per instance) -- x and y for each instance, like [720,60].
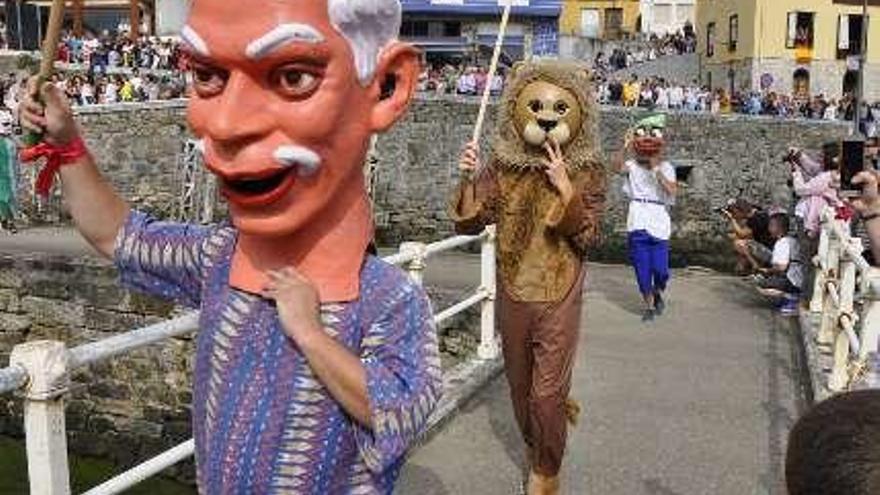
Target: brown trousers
[539,341]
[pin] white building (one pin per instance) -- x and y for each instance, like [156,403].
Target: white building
[667,16]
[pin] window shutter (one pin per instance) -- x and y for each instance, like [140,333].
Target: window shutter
[792,30]
[843,32]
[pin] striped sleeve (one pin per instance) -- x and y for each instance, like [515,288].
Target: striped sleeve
[402,360]
[162,259]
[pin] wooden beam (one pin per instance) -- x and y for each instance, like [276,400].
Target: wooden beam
[78,18]
[134,18]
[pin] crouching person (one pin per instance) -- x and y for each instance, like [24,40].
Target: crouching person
[785,276]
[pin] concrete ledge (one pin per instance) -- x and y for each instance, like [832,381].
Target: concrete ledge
[819,358]
[460,384]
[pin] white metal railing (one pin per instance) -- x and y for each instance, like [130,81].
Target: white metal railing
[42,371]
[846,301]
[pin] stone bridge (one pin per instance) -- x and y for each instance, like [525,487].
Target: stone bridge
[699,402]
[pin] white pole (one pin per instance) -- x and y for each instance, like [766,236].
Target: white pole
[488,343]
[416,266]
[871,317]
[481,117]
[46,363]
[832,272]
[839,374]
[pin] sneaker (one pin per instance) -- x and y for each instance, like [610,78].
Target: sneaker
[659,304]
[789,308]
[648,316]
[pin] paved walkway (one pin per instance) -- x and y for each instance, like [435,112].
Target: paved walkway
[697,403]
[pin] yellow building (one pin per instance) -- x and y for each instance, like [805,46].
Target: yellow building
[602,19]
[805,47]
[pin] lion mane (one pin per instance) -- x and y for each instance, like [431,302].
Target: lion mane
[512,152]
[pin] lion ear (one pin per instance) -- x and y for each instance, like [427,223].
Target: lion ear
[584,73]
[517,68]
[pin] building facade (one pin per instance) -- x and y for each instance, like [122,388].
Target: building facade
[467,29]
[799,47]
[600,19]
[667,16]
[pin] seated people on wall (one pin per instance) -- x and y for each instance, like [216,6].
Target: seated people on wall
[785,276]
[750,234]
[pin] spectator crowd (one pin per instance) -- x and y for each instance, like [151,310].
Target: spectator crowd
[776,244]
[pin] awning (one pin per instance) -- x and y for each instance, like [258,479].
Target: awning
[525,8]
[89,4]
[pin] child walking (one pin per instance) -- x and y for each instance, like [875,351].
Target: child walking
[651,187]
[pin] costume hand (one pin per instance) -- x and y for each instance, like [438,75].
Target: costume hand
[557,171]
[628,139]
[53,118]
[297,301]
[869,202]
[470,159]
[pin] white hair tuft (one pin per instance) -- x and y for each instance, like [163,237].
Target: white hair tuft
[369,26]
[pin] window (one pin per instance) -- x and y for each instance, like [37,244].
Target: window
[800,30]
[710,39]
[849,35]
[733,38]
[613,23]
[414,29]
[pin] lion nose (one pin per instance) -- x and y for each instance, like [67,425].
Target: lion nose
[547,125]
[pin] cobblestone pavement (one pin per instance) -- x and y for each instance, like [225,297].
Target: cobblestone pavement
[698,403]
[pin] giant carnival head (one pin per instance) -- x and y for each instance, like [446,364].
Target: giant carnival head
[543,102]
[648,136]
[285,96]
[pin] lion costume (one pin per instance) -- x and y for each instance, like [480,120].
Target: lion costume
[542,241]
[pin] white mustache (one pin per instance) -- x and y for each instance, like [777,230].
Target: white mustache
[291,155]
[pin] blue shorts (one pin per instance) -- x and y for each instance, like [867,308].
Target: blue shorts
[650,259]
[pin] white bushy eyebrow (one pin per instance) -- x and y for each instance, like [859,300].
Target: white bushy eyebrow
[195,41]
[282,34]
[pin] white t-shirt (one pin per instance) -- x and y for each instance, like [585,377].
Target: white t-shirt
[648,208]
[786,251]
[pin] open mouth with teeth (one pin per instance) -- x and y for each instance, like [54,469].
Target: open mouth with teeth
[259,189]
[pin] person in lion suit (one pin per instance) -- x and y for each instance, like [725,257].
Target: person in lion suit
[544,187]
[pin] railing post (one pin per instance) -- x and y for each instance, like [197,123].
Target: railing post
[846,289]
[871,319]
[832,273]
[817,303]
[46,363]
[415,267]
[488,343]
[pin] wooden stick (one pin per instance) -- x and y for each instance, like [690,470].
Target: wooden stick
[53,37]
[481,117]
[49,53]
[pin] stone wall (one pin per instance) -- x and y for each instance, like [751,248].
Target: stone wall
[139,147]
[727,156]
[127,409]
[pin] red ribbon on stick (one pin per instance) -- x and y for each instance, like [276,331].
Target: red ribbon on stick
[56,157]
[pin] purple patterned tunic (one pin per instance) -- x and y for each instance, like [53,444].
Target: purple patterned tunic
[262,422]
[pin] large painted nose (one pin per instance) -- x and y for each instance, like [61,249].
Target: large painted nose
[547,125]
[238,118]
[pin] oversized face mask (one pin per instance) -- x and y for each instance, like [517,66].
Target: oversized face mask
[285,121]
[544,111]
[277,102]
[648,141]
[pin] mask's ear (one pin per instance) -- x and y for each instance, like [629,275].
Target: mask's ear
[394,84]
